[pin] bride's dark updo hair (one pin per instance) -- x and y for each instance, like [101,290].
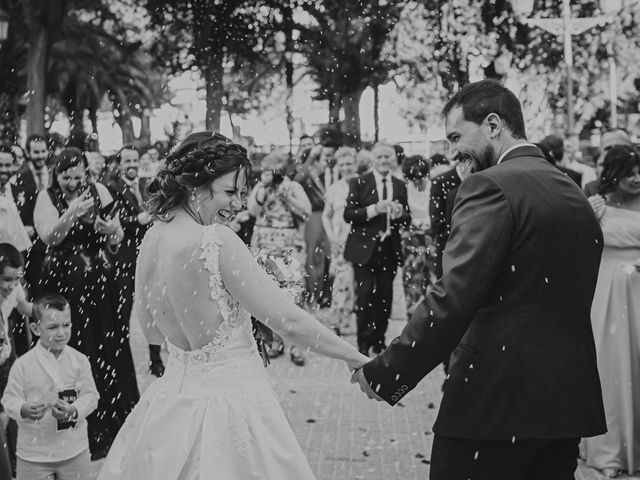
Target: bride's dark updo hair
[199,160]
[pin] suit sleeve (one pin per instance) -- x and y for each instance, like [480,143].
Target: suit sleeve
[475,254]
[354,212]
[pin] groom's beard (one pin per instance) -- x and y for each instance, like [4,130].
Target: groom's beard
[486,159]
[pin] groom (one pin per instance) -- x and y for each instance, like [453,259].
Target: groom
[513,305]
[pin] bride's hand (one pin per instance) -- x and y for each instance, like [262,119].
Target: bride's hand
[357,362]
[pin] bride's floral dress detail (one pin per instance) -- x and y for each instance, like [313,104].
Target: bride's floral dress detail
[213,415]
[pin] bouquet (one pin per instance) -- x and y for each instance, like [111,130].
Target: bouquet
[286,272]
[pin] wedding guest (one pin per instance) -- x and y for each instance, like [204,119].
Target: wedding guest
[33,177]
[146,169]
[343,291]
[376,209]
[552,147]
[97,166]
[280,207]
[20,155]
[315,184]
[438,164]
[609,138]
[12,229]
[573,160]
[126,189]
[615,314]
[12,301]
[70,218]
[418,252]
[364,161]
[49,393]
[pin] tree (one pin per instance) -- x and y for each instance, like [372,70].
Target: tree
[212,36]
[344,49]
[432,44]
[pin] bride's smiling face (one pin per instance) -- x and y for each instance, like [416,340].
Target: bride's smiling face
[223,198]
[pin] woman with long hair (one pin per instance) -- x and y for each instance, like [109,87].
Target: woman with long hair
[213,412]
[615,314]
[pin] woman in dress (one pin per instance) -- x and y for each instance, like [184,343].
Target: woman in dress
[280,208]
[213,414]
[615,314]
[418,266]
[343,288]
[77,266]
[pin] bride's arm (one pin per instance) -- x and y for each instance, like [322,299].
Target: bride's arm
[141,312]
[253,288]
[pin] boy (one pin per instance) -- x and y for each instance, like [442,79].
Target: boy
[50,392]
[11,297]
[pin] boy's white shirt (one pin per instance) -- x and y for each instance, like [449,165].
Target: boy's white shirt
[38,376]
[7,306]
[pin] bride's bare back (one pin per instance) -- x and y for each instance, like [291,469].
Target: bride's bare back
[172,281]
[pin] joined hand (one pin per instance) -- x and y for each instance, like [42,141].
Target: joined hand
[359,378]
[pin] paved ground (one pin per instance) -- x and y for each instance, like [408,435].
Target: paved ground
[344,435]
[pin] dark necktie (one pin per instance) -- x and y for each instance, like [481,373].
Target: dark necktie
[384,188]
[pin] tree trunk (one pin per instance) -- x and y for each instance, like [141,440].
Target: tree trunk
[287,21]
[145,127]
[351,124]
[213,73]
[93,116]
[36,78]
[335,102]
[376,112]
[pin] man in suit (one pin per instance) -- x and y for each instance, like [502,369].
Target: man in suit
[443,193]
[376,208]
[126,188]
[513,305]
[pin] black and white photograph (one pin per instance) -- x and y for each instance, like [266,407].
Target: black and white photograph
[319,239]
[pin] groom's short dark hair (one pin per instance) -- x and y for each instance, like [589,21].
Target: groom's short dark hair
[479,99]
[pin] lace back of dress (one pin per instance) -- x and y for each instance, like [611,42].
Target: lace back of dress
[229,308]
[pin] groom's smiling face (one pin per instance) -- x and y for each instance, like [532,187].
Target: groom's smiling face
[470,141]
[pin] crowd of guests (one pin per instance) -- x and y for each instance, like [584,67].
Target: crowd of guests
[71,222]
[360,223]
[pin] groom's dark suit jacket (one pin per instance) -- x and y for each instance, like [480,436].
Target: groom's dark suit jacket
[513,305]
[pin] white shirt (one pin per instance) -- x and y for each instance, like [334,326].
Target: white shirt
[6,307]
[504,154]
[11,227]
[45,176]
[38,376]
[371,209]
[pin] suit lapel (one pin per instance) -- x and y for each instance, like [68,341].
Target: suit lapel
[128,195]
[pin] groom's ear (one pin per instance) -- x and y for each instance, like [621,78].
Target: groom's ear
[495,124]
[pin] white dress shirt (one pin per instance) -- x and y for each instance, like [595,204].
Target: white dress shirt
[39,376]
[371,209]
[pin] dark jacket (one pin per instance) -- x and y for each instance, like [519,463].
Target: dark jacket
[364,236]
[513,305]
[443,194]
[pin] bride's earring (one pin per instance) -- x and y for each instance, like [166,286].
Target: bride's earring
[193,195]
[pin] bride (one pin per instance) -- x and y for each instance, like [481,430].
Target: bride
[213,414]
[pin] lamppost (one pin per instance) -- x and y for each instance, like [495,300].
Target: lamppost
[565,27]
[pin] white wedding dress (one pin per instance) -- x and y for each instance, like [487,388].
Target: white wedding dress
[213,415]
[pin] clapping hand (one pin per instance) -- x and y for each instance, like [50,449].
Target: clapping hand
[106,226]
[396,210]
[64,411]
[81,205]
[33,410]
[359,378]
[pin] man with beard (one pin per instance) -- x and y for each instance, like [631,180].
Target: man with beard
[12,230]
[512,308]
[126,189]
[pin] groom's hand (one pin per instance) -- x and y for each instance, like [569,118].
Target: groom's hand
[359,378]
